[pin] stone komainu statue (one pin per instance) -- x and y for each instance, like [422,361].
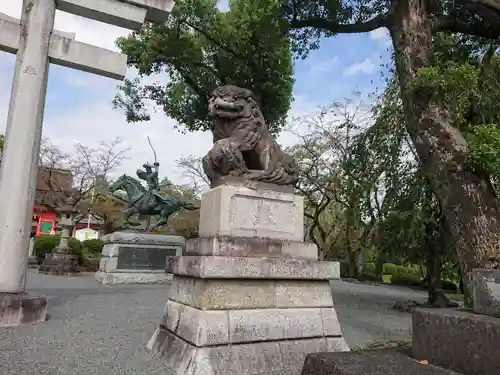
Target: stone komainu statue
[243,146]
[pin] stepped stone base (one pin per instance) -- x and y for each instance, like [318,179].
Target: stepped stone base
[243,315]
[60,263]
[283,357]
[17,309]
[249,296]
[137,258]
[32,262]
[486,291]
[132,277]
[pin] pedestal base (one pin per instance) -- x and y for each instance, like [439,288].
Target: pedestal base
[137,258]
[17,309]
[457,340]
[281,357]
[244,315]
[60,263]
[32,262]
[133,277]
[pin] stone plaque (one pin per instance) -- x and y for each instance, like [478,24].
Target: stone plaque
[143,258]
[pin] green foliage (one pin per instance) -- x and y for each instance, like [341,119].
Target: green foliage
[200,48]
[410,280]
[453,83]
[484,142]
[369,268]
[390,269]
[45,243]
[93,246]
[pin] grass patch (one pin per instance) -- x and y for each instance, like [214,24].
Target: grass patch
[386,279]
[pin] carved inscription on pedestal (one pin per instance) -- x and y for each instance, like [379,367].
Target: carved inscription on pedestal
[143,258]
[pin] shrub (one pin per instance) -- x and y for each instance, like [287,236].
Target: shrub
[409,279]
[93,246]
[390,269]
[369,268]
[367,277]
[45,243]
[449,286]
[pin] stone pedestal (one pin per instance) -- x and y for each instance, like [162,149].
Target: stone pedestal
[457,340]
[60,263]
[486,292]
[462,340]
[21,308]
[256,302]
[137,258]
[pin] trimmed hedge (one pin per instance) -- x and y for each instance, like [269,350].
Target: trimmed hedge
[45,243]
[390,269]
[409,279]
[93,246]
[369,268]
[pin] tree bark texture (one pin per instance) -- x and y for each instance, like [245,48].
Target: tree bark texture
[468,201]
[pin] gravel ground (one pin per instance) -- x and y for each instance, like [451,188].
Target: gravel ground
[95,329]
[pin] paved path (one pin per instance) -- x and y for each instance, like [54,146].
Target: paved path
[95,329]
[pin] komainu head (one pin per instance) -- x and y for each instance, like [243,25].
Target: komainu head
[231,102]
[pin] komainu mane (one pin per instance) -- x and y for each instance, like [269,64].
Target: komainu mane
[243,146]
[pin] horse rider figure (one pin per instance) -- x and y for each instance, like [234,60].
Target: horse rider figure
[150,175]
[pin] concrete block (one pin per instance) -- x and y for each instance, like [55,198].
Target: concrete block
[459,340]
[111,12]
[111,278]
[240,211]
[219,327]
[140,238]
[251,247]
[274,324]
[258,358]
[199,327]
[247,294]
[21,308]
[252,268]
[368,362]
[486,291]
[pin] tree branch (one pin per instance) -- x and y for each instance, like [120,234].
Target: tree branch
[333,27]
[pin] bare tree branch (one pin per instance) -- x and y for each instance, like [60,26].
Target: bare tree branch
[192,169]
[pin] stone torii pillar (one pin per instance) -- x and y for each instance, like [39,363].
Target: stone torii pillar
[36,45]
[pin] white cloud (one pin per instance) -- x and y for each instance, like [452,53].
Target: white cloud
[381,36]
[366,67]
[317,67]
[93,119]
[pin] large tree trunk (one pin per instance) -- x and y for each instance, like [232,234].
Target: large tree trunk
[468,201]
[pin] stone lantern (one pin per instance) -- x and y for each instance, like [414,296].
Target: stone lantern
[61,261]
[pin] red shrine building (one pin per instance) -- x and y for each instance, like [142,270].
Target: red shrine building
[52,188]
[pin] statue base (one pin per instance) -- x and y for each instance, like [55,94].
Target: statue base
[249,296]
[137,258]
[32,262]
[60,263]
[21,308]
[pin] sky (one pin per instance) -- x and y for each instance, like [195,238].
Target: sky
[79,105]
